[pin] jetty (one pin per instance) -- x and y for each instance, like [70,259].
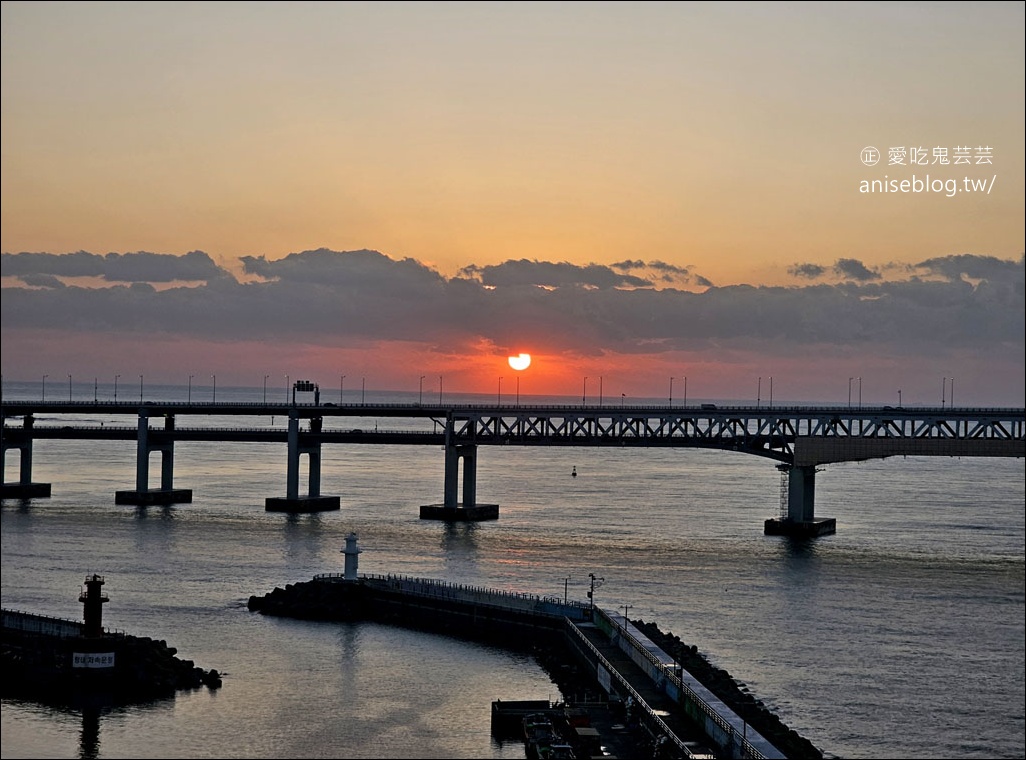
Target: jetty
[678,705]
[59,660]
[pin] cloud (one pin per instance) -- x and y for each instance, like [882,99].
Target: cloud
[553,275]
[338,299]
[973,267]
[195,266]
[807,271]
[855,270]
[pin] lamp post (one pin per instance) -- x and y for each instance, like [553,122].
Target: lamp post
[771,392]
[96,389]
[951,395]
[625,620]
[595,581]
[849,391]
[213,396]
[899,398]
[439,390]
[69,387]
[189,396]
[600,390]
[44,386]
[518,390]
[566,589]
[944,389]
[341,386]
[140,388]
[671,390]
[286,389]
[421,399]
[758,394]
[265,388]
[685,390]
[584,396]
[860,394]
[116,388]
[363,391]
[498,398]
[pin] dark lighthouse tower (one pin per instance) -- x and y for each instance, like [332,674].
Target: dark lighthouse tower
[93,599]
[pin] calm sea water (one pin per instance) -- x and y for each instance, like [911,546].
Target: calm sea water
[900,636]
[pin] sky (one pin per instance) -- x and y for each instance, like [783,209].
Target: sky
[644,197]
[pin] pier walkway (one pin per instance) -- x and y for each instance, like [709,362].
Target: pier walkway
[673,702]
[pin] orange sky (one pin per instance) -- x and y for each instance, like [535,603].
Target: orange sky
[722,140]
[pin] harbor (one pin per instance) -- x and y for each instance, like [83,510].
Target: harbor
[598,655]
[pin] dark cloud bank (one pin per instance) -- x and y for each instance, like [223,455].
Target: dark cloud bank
[344,298]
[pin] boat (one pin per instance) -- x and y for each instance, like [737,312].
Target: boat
[542,741]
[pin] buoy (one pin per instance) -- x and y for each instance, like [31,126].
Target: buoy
[574,473]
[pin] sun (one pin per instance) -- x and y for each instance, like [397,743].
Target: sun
[522,361]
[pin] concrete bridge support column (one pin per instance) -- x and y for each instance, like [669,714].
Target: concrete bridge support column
[297,447]
[453,455]
[145,445]
[292,463]
[451,508]
[801,502]
[801,494]
[24,488]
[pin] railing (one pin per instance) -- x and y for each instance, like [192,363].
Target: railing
[667,672]
[498,598]
[30,622]
[629,690]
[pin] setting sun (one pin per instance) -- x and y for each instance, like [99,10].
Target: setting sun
[523,361]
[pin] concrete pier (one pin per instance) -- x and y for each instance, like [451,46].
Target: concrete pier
[299,446]
[147,442]
[151,497]
[302,504]
[24,490]
[824,526]
[460,512]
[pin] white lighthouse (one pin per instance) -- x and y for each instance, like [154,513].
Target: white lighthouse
[352,557]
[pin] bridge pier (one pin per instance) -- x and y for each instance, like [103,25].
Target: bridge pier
[143,495]
[24,488]
[297,447]
[452,508]
[800,519]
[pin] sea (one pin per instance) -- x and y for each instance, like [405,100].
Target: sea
[902,635]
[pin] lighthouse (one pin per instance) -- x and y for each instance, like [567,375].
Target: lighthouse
[93,599]
[352,557]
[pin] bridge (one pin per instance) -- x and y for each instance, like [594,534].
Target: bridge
[800,439]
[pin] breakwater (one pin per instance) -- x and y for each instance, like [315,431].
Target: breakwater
[53,659]
[542,625]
